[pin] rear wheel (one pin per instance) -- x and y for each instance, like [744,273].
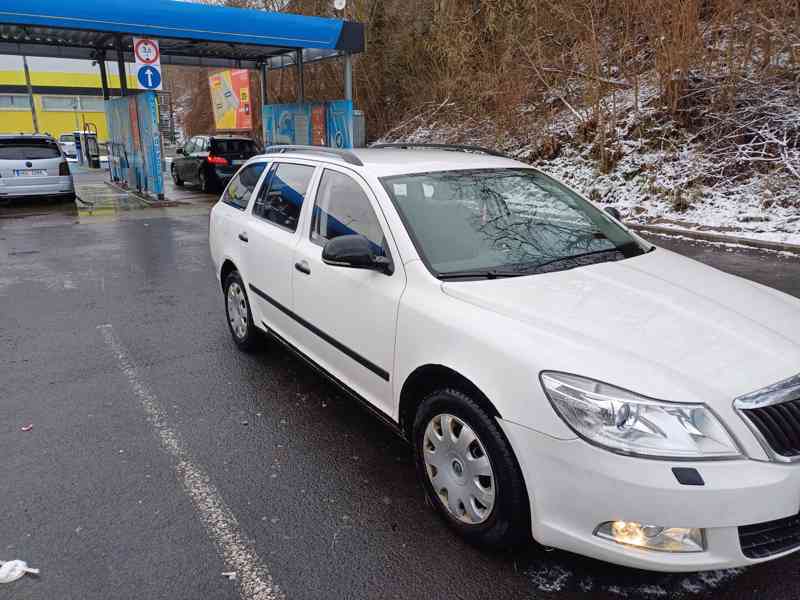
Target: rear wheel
[175,177]
[205,184]
[239,316]
[469,470]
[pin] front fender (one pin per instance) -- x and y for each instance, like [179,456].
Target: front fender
[490,350]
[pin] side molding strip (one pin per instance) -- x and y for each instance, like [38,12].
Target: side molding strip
[382,373]
[360,400]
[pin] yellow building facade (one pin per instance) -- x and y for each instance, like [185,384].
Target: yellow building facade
[66,95]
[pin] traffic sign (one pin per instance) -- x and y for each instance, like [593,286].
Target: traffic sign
[146,51]
[149,78]
[147,57]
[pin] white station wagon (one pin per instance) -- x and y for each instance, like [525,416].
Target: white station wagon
[558,376]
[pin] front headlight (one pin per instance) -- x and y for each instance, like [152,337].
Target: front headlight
[626,422]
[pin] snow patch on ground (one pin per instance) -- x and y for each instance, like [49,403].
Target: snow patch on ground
[552,577]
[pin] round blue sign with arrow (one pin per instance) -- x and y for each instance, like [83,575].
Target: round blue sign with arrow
[149,78]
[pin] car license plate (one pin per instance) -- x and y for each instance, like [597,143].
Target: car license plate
[236,163]
[30,173]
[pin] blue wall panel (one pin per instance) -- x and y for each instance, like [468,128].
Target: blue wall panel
[292,123]
[135,151]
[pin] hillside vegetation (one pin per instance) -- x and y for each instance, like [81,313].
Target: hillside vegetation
[680,110]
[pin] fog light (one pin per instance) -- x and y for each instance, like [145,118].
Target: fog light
[652,537]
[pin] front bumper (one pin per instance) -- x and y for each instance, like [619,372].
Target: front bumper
[574,486]
[36,186]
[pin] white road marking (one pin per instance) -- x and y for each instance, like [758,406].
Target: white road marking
[239,554]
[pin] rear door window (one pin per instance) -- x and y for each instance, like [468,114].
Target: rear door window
[241,187]
[28,149]
[281,197]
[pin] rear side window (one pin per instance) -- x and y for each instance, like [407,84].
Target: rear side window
[280,201]
[28,149]
[242,185]
[241,147]
[342,208]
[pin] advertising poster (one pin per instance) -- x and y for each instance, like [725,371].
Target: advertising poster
[230,99]
[318,123]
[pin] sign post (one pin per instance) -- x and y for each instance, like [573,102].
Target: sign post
[147,58]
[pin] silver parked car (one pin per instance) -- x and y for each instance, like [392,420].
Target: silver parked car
[67,143]
[33,165]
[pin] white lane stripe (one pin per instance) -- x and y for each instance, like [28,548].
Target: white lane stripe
[255,582]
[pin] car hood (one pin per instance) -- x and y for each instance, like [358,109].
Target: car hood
[660,324]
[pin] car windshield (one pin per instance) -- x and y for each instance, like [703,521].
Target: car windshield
[28,149]
[504,222]
[66,137]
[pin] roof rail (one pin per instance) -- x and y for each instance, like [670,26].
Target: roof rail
[345,155]
[454,147]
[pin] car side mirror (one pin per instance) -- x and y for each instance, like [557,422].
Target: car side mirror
[613,212]
[179,151]
[354,251]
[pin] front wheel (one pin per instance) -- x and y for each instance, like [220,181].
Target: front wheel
[175,177]
[240,318]
[469,470]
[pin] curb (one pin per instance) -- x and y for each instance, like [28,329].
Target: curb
[143,197]
[718,237]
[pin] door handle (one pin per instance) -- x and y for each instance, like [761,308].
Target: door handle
[243,236]
[303,267]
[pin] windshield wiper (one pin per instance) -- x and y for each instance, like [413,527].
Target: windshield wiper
[626,250]
[480,274]
[578,260]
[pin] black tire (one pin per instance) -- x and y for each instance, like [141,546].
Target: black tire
[203,181]
[175,177]
[508,524]
[250,338]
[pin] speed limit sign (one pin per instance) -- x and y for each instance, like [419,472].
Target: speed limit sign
[147,57]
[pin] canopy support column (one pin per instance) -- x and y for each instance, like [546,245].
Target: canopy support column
[123,76]
[30,94]
[264,83]
[348,76]
[301,87]
[101,62]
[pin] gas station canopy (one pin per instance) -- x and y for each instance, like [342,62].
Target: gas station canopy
[189,34]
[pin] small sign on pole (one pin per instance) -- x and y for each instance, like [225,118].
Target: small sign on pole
[147,58]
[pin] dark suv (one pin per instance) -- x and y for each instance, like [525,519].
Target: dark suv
[211,160]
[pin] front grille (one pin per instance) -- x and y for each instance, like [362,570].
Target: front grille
[773,537]
[779,424]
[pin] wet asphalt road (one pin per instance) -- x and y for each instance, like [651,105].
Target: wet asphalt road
[324,494]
